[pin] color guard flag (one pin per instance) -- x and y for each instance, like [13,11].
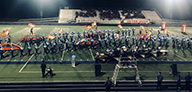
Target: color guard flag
[94,24]
[60,31]
[149,34]
[31,25]
[4,33]
[117,35]
[165,32]
[120,26]
[50,36]
[142,27]
[87,27]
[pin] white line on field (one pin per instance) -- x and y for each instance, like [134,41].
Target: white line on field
[179,56]
[25,63]
[154,58]
[65,71]
[30,58]
[19,41]
[90,71]
[62,55]
[92,54]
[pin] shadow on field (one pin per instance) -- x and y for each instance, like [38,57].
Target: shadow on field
[76,64]
[185,33]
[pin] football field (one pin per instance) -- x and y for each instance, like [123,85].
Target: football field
[27,68]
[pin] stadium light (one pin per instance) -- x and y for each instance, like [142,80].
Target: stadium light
[170,3]
[41,11]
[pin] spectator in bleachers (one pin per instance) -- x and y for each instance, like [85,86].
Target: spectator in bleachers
[86,13]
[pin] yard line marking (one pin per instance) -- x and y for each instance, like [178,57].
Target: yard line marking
[25,63]
[154,58]
[179,56]
[31,57]
[92,55]
[22,30]
[67,71]
[91,71]
[4,28]
[62,56]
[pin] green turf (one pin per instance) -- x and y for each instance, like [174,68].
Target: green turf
[64,72]
[17,32]
[83,72]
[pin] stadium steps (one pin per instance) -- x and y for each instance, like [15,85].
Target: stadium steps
[152,15]
[85,86]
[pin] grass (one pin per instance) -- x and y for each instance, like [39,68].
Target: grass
[85,72]
[64,72]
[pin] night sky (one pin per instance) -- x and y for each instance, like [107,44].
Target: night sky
[20,9]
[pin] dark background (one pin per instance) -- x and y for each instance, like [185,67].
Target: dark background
[21,9]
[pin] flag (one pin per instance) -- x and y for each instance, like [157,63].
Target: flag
[4,33]
[142,27]
[117,35]
[50,36]
[87,27]
[60,31]
[165,32]
[31,25]
[120,26]
[94,24]
[149,34]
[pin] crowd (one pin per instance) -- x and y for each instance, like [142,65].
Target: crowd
[110,13]
[86,13]
[132,14]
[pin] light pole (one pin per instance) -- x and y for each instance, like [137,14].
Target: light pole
[41,11]
[170,8]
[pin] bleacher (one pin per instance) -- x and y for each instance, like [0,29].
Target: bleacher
[67,15]
[152,15]
[108,16]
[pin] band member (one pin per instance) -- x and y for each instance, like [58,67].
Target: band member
[12,50]
[21,50]
[60,46]
[31,38]
[67,45]
[97,57]
[29,49]
[129,32]
[1,51]
[31,31]
[106,41]
[36,48]
[74,44]
[0,40]
[45,48]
